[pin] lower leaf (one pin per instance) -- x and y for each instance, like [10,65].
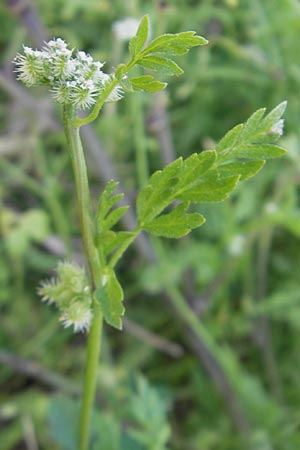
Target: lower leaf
[110,297]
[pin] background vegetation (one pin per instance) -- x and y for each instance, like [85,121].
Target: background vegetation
[235,383]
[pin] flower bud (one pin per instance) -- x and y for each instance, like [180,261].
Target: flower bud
[70,292]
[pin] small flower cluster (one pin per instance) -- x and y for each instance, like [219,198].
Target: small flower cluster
[72,80]
[70,292]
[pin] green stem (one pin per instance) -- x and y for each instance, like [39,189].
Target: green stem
[90,377]
[83,200]
[92,256]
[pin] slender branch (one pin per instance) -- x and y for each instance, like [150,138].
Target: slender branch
[83,199]
[90,377]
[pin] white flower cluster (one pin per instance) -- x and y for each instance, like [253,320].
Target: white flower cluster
[72,80]
[70,292]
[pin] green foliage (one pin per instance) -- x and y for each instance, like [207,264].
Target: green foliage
[175,224]
[143,406]
[156,56]
[62,418]
[168,184]
[148,411]
[108,433]
[147,84]
[160,64]
[107,240]
[209,176]
[174,44]
[110,296]
[138,41]
[248,140]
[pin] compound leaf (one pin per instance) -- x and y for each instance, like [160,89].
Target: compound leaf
[211,188]
[167,185]
[245,168]
[256,138]
[175,224]
[258,151]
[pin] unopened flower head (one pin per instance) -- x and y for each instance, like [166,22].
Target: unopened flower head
[77,315]
[84,93]
[76,80]
[70,292]
[30,66]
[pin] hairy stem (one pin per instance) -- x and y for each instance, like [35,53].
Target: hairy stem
[92,256]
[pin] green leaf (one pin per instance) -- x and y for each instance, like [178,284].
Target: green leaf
[174,44]
[146,83]
[111,240]
[167,185]
[63,415]
[250,127]
[245,168]
[175,224]
[258,151]
[114,216]
[256,138]
[139,40]
[105,218]
[194,167]
[212,188]
[272,118]
[209,176]
[160,64]
[110,297]
[156,196]
[107,200]
[230,138]
[106,432]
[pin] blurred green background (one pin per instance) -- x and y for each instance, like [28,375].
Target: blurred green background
[225,375]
